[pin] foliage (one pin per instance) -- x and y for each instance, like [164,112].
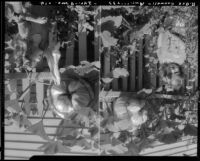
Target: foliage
[122,32]
[168,121]
[139,26]
[71,20]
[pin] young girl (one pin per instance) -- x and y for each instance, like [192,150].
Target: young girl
[31,30]
[17,12]
[171,55]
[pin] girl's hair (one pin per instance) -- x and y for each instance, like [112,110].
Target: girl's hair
[8,11]
[172,72]
[166,70]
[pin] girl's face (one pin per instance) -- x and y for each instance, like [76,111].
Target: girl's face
[172,76]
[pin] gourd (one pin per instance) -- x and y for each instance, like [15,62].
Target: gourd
[131,109]
[69,96]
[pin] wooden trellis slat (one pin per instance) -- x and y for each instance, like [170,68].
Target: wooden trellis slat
[140,65]
[125,79]
[132,72]
[152,74]
[82,37]
[70,54]
[106,67]
[115,82]
[97,38]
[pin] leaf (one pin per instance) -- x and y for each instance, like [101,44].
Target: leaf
[108,120]
[85,62]
[12,85]
[38,129]
[53,147]
[107,80]
[193,79]
[117,20]
[113,152]
[7,90]
[84,143]
[132,47]
[66,128]
[133,149]
[147,91]
[94,131]
[116,150]
[120,72]
[69,140]
[190,130]
[115,142]
[172,124]
[120,125]
[96,64]
[123,124]
[83,69]
[170,137]
[189,87]
[145,143]
[103,153]
[112,128]
[82,119]
[14,105]
[105,139]
[159,89]
[108,40]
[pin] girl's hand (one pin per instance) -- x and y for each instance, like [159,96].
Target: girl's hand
[41,20]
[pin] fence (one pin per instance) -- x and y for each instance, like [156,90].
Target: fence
[139,77]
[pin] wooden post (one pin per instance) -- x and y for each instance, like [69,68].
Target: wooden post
[132,72]
[97,39]
[82,36]
[125,79]
[40,97]
[140,65]
[106,66]
[187,70]
[25,84]
[19,87]
[151,75]
[115,82]
[70,54]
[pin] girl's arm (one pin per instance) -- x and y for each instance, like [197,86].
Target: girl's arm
[40,20]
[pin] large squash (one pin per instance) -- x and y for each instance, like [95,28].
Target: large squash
[128,108]
[68,97]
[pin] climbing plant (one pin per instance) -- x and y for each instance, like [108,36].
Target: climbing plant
[122,29]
